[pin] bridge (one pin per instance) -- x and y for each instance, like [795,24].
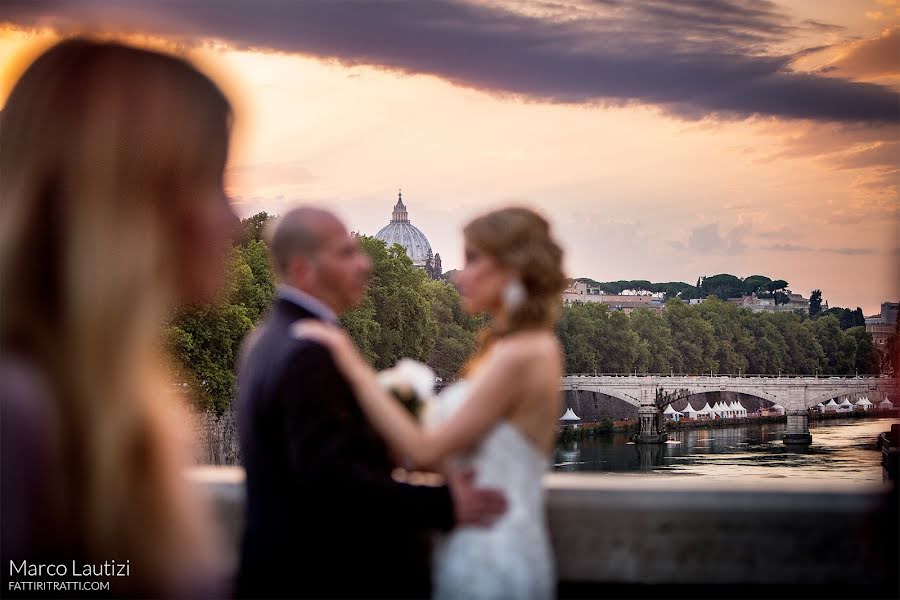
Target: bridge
[652,393]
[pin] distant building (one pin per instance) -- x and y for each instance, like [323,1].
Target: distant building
[796,302]
[401,231]
[579,291]
[890,312]
[882,327]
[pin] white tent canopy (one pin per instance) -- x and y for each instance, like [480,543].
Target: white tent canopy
[831,404]
[864,401]
[672,413]
[779,408]
[885,404]
[689,411]
[569,416]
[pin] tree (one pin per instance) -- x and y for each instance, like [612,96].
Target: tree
[457,331]
[429,265]
[846,317]
[253,228]
[722,286]
[395,319]
[770,352]
[657,350]
[867,358]
[733,341]
[754,283]
[776,289]
[815,303]
[839,348]
[692,337]
[578,330]
[204,340]
[438,268]
[805,353]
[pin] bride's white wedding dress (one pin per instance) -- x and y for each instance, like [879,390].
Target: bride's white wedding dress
[513,557]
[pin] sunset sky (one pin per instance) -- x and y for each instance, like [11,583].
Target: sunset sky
[664,140]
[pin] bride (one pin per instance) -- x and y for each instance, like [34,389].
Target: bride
[500,419]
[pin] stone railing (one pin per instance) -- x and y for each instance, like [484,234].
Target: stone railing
[624,536]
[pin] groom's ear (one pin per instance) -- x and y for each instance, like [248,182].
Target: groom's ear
[298,270]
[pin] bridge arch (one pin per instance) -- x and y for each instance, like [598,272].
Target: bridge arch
[688,393]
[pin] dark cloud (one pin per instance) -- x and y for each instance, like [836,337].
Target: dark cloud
[693,58]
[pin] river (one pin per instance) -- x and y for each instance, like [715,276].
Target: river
[842,449]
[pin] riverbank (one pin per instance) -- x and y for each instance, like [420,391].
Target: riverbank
[607,427]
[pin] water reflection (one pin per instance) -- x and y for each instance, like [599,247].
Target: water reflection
[841,449]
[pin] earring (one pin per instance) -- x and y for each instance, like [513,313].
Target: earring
[513,294]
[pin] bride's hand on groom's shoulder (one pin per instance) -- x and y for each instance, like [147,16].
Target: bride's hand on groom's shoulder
[332,337]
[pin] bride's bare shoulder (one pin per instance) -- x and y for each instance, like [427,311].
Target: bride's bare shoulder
[528,346]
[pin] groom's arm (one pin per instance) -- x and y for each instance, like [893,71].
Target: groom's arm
[328,455]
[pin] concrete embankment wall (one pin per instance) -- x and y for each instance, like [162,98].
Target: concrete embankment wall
[626,537]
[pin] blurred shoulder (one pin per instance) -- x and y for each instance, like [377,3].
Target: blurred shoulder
[528,347]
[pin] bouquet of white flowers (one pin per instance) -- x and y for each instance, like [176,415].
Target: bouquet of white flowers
[411,382]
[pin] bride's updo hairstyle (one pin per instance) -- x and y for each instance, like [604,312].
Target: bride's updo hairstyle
[520,239]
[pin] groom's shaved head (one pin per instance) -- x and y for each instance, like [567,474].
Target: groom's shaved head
[300,232]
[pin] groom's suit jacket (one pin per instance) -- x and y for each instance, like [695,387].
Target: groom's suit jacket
[323,515]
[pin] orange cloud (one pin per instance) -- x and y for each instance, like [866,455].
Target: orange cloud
[873,57]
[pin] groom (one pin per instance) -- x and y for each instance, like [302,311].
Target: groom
[323,515]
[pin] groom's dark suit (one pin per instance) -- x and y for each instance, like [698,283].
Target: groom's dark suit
[323,515]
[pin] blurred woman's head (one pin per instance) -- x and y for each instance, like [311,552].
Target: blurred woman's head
[113,210]
[513,270]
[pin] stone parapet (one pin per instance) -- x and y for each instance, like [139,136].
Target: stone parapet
[653,537]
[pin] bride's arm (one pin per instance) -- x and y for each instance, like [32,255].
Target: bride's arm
[493,391]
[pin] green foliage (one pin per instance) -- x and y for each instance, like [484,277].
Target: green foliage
[396,318]
[755,283]
[693,338]
[815,303]
[733,340]
[456,336]
[846,317]
[252,228]
[714,336]
[867,358]
[204,341]
[722,286]
[671,289]
[839,348]
[657,351]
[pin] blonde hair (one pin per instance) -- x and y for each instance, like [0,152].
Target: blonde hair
[520,239]
[102,148]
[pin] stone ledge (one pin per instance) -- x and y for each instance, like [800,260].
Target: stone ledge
[614,532]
